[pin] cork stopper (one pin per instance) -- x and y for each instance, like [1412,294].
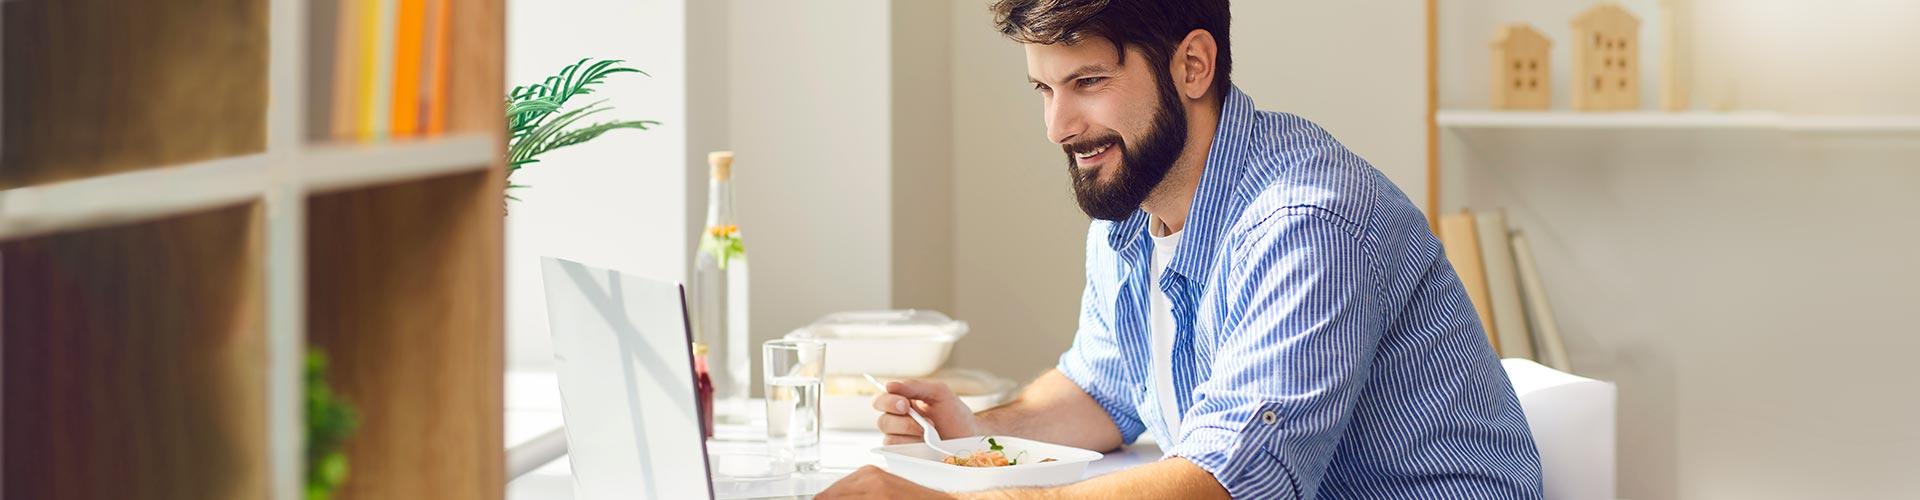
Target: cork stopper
[722,162]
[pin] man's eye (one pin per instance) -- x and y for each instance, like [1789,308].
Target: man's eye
[1091,81]
[1043,88]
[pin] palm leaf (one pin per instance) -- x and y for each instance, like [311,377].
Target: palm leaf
[588,133]
[536,124]
[521,115]
[527,145]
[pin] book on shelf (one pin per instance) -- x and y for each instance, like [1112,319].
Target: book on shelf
[1553,349]
[388,71]
[1462,244]
[379,78]
[433,89]
[410,25]
[1503,285]
[346,80]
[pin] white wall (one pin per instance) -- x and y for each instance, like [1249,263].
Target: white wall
[1357,68]
[922,155]
[617,201]
[1748,292]
[1838,56]
[1019,238]
[808,91]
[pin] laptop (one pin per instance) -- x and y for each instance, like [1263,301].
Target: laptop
[624,358]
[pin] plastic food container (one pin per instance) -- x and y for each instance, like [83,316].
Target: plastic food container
[902,343]
[918,463]
[847,402]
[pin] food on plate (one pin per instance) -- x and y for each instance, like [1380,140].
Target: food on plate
[994,456]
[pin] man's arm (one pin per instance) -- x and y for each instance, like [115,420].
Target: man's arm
[1054,410]
[1051,409]
[1170,478]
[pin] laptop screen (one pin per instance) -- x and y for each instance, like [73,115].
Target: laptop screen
[625,361]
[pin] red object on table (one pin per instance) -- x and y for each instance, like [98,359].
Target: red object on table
[703,387]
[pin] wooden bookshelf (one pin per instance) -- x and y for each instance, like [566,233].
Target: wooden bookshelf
[136,352]
[162,83]
[173,239]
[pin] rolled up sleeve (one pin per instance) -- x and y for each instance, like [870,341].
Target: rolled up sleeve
[1300,329]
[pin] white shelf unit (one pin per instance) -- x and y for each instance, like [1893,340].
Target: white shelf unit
[173,246]
[1702,260]
[1695,120]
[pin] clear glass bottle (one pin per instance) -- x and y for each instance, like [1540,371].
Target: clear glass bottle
[720,296]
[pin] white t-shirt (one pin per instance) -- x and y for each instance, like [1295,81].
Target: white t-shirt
[1160,319]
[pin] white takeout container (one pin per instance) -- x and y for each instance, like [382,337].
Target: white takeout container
[900,343]
[846,402]
[918,463]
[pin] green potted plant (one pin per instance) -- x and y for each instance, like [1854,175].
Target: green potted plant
[330,421]
[538,121]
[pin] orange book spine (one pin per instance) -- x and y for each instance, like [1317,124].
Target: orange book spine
[409,26]
[436,88]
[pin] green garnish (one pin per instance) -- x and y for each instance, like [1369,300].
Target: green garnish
[994,445]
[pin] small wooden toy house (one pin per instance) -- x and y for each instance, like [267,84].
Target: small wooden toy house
[1606,59]
[1520,70]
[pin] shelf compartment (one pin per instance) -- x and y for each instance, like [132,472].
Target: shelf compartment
[404,294]
[93,87]
[134,361]
[333,167]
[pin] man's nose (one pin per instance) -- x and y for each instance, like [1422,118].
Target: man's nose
[1063,120]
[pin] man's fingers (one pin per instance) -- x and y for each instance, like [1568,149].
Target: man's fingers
[890,403]
[920,389]
[893,439]
[897,425]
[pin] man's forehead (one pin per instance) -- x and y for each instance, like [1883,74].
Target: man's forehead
[1059,61]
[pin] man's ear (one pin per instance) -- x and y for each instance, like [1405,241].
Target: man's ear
[1193,64]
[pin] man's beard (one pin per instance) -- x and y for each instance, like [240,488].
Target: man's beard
[1141,168]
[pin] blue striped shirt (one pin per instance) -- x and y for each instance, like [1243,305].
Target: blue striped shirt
[1324,347]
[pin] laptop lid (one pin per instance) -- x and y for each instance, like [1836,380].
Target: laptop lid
[625,361]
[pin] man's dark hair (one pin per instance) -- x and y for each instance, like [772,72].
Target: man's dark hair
[1156,27]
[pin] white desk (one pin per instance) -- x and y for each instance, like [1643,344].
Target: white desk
[532,411]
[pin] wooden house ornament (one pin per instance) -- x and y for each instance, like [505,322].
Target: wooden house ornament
[1606,59]
[1520,68]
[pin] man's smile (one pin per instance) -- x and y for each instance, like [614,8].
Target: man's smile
[1087,157]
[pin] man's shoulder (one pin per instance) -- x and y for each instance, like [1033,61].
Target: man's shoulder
[1293,167]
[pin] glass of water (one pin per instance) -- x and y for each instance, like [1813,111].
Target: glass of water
[793,372]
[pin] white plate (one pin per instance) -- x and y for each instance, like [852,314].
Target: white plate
[918,463]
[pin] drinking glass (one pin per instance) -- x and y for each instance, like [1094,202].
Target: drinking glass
[793,377]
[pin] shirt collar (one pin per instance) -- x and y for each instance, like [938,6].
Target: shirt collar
[1214,203]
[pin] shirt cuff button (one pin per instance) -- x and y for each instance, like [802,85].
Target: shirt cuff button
[1269,417]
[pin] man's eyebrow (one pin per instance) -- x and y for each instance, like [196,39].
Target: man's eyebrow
[1077,73]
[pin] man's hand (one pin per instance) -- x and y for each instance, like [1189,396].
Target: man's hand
[871,482]
[933,400]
